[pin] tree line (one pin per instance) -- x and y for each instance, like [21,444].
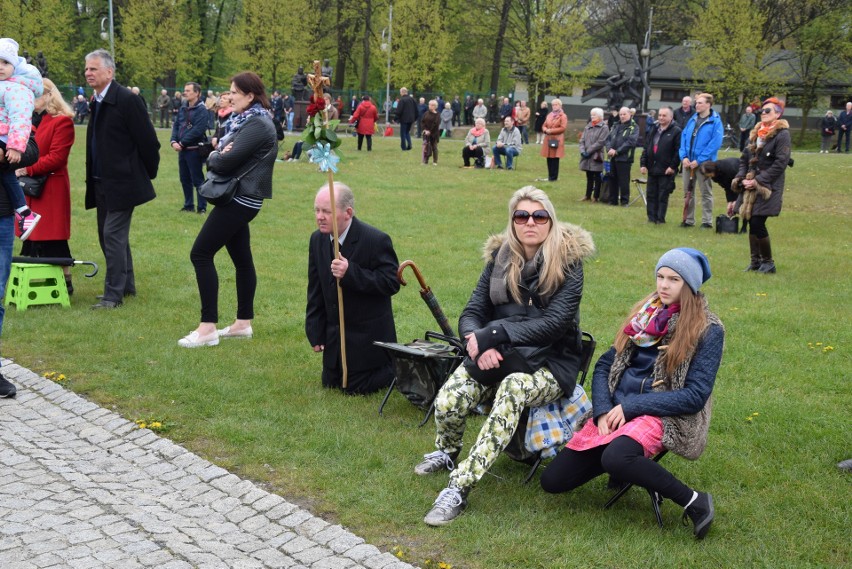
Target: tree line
[448,46]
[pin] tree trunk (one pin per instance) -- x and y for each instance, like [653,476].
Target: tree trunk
[365,65]
[498,45]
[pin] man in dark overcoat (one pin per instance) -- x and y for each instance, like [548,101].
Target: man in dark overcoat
[366,273]
[122,157]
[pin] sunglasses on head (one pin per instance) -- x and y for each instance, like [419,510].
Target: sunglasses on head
[521,217]
[767,110]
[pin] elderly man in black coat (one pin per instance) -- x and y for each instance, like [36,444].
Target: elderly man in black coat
[660,161]
[366,273]
[122,157]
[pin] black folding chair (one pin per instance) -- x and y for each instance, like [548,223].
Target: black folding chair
[421,367]
[656,499]
[516,449]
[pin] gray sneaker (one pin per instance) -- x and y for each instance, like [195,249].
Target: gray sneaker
[450,503]
[435,462]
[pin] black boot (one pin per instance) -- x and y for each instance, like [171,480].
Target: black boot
[767,265]
[755,253]
[68,285]
[701,512]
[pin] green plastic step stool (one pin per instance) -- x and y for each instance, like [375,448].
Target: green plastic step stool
[36,284]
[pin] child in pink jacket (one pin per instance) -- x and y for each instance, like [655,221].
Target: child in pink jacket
[20,84]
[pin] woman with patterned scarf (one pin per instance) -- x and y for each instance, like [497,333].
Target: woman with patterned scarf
[651,391]
[247,149]
[761,181]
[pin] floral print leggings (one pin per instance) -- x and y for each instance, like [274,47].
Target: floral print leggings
[461,394]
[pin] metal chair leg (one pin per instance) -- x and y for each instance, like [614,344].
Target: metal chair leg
[534,467]
[387,396]
[428,414]
[656,502]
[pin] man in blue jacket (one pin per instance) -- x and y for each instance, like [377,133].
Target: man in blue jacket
[188,131]
[700,141]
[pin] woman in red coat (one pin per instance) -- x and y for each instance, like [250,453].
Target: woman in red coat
[366,115]
[554,139]
[54,137]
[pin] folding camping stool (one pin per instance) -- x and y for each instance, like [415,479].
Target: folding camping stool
[639,184]
[421,367]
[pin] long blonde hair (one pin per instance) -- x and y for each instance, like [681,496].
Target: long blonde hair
[53,101]
[558,251]
[691,322]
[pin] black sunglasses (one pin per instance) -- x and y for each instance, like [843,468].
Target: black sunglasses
[521,217]
[767,110]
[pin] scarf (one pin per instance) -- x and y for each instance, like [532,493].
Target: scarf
[762,130]
[477,132]
[555,113]
[238,120]
[595,122]
[651,323]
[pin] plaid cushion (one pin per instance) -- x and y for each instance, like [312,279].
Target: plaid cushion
[551,426]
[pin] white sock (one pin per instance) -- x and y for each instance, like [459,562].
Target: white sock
[694,496]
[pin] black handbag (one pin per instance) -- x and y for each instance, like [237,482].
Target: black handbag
[553,143]
[204,150]
[32,186]
[513,362]
[725,224]
[220,190]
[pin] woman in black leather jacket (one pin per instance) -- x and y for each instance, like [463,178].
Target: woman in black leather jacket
[522,332]
[247,149]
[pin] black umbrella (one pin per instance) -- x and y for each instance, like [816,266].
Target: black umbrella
[428,297]
[690,189]
[60,261]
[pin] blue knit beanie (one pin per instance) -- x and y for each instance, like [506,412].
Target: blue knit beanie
[690,264]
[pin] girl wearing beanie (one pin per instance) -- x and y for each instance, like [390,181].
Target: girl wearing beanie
[651,392]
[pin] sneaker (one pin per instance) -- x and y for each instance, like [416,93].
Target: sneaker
[701,513]
[26,224]
[685,224]
[706,226]
[436,462]
[450,503]
[7,389]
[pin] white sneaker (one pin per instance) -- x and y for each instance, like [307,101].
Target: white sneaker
[196,340]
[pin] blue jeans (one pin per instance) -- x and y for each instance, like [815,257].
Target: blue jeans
[525,137]
[506,151]
[191,178]
[405,135]
[7,237]
[290,115]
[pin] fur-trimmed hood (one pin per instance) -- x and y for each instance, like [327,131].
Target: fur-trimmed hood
[583,238]
[780,125]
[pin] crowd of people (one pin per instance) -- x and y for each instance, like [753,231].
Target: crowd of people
[521,326]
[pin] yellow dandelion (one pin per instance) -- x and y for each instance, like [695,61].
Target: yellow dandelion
[156,425]
[828,349]
[143,426]
[50,375]
[60,377]
[398,554]
[819,343]
[755,414]
[748,419]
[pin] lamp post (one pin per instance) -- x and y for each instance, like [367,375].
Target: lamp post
[645,52]
[111,34]
[386,46]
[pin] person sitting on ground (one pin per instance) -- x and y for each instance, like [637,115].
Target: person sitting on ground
[651,391]
[523,341]
[476,143]
[508,144]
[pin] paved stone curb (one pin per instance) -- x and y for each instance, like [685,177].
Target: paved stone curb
[81,486]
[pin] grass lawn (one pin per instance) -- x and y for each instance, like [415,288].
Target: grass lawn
[781,415]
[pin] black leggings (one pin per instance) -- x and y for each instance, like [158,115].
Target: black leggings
[593,184]
[757,226]
[467,154]
[369,141]
[226,226]
[624,459]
